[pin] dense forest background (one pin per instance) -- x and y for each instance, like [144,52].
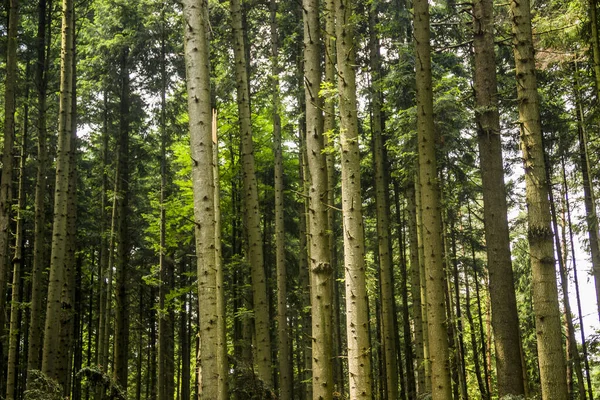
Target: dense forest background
[258,199]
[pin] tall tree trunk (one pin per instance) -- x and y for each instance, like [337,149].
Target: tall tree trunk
[388,332]
[589,198]
[52,351]
[201,142]
[10,88]
[222,360]
[573,360]
[505,320]
[283,339]
[121,334]
[431,209]
[329,125]
[166,323]
[409,353]
[415,287]
[38,284]
[359,360]
[262,356]
[17,261]
[593,7]
[545,293]
[567,207]
[318,230]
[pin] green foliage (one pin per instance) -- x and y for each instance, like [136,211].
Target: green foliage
[41,387]
[97,378]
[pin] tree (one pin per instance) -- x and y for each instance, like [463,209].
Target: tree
[545,294]
[505,320]
[359,359]
[319,263]
[52,351]
[201,142]
[431,209]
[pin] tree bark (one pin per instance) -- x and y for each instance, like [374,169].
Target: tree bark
[545,294]
[201,142]
[359,347]
[38,283]
[388,332]
[505,320]
[431,209]
[6,180]
[52,351]
[318,230]
[262,354]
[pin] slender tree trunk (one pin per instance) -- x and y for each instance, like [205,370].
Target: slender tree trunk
[431,210]
[415,287]
[222,359]
[121,335]
[304,279]
[38,285]
[318,236]
[359,360]
[262,356]
[6,180]
[589,198]
[505,319]
[201,142]
[329,125]
[472,328]
[545,294]
[17,261]
[573,360]
[388,333]
[593,7]
[166,323]
[411,383]
[283,339]
[576,280]
[52,351]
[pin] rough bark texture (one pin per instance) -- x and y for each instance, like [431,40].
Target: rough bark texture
[545,294]
[357,318]
[52,351]
[17,261]
[37,281]
[121,335]
[283,339]
[505,319]
[10,88]
[318,231]
[415,288]
[388,332]
[201,142]
[254,245]
[431,210]
[222,361]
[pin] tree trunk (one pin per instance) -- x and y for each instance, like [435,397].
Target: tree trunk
[388,333]
[431,209]
[359,360]
[38,284]
[589,198]
[17,261]
[415,288]
[201,142]
[262,354]
[545,293]
[318,230]
[593,7]
[576,279]
[6,180]
[52,351]
[283,339]
[505,320]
